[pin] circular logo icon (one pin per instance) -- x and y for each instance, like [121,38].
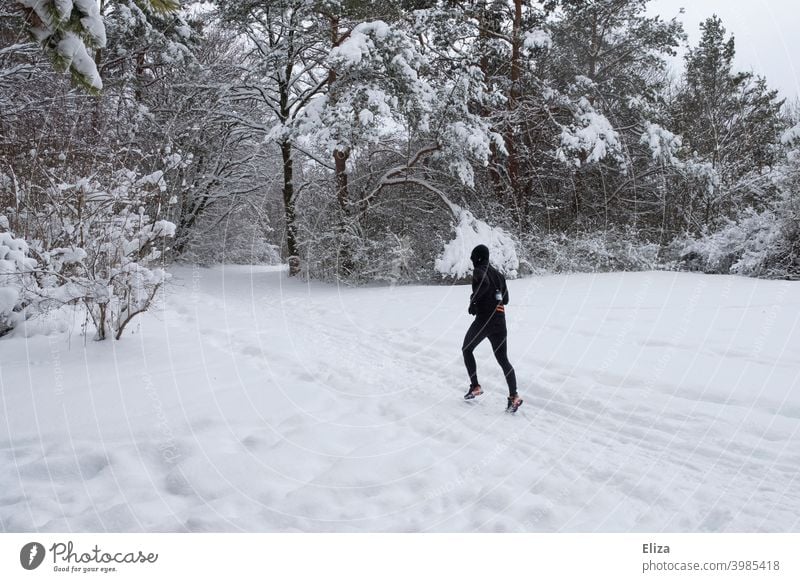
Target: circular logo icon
[32,555]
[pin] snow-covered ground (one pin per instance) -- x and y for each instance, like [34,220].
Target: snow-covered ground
[653,402]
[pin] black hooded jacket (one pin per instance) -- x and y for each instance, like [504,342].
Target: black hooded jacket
[486,281]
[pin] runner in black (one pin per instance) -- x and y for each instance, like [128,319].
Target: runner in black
[487,304]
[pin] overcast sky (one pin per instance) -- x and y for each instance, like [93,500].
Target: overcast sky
[767,34]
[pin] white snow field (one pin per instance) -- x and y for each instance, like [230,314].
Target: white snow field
[653,402]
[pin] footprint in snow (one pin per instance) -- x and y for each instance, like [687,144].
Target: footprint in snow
[176,483]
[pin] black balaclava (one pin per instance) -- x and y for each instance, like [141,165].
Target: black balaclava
[480,255]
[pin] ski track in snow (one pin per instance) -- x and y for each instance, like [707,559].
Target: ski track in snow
[653,402]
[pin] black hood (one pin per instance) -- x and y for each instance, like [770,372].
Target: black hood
[480,255]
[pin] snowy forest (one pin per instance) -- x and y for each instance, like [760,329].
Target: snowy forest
[366,142]
[273,204]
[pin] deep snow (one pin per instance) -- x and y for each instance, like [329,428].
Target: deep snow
[653,402]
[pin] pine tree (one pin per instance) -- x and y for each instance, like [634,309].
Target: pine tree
[607,71]
[729,120]
[70,31]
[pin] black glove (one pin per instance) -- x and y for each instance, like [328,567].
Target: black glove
[471,309]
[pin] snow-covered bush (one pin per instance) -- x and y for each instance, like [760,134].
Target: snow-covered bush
[763,242]
[121,277]
[791,136]
[758,244]
[15,276]
[356,255]
[395,242]
[119,269]
[601,251]
[454,260]
[94,246]
[388,258]
[369,258]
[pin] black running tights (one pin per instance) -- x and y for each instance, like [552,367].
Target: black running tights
[495,330]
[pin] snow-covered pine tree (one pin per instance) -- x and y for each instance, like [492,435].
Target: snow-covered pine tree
[376,92]
[728,120]
[71,31]
[501,42]
[604,77]
[384,123]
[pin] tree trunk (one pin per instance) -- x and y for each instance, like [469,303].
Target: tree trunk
[340,157]
[289,211]
[594,47]
[101,322]
[288,166]
[140,62]
[340,165]
[340,169]
[513,101]
[494,159]
[340,154]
